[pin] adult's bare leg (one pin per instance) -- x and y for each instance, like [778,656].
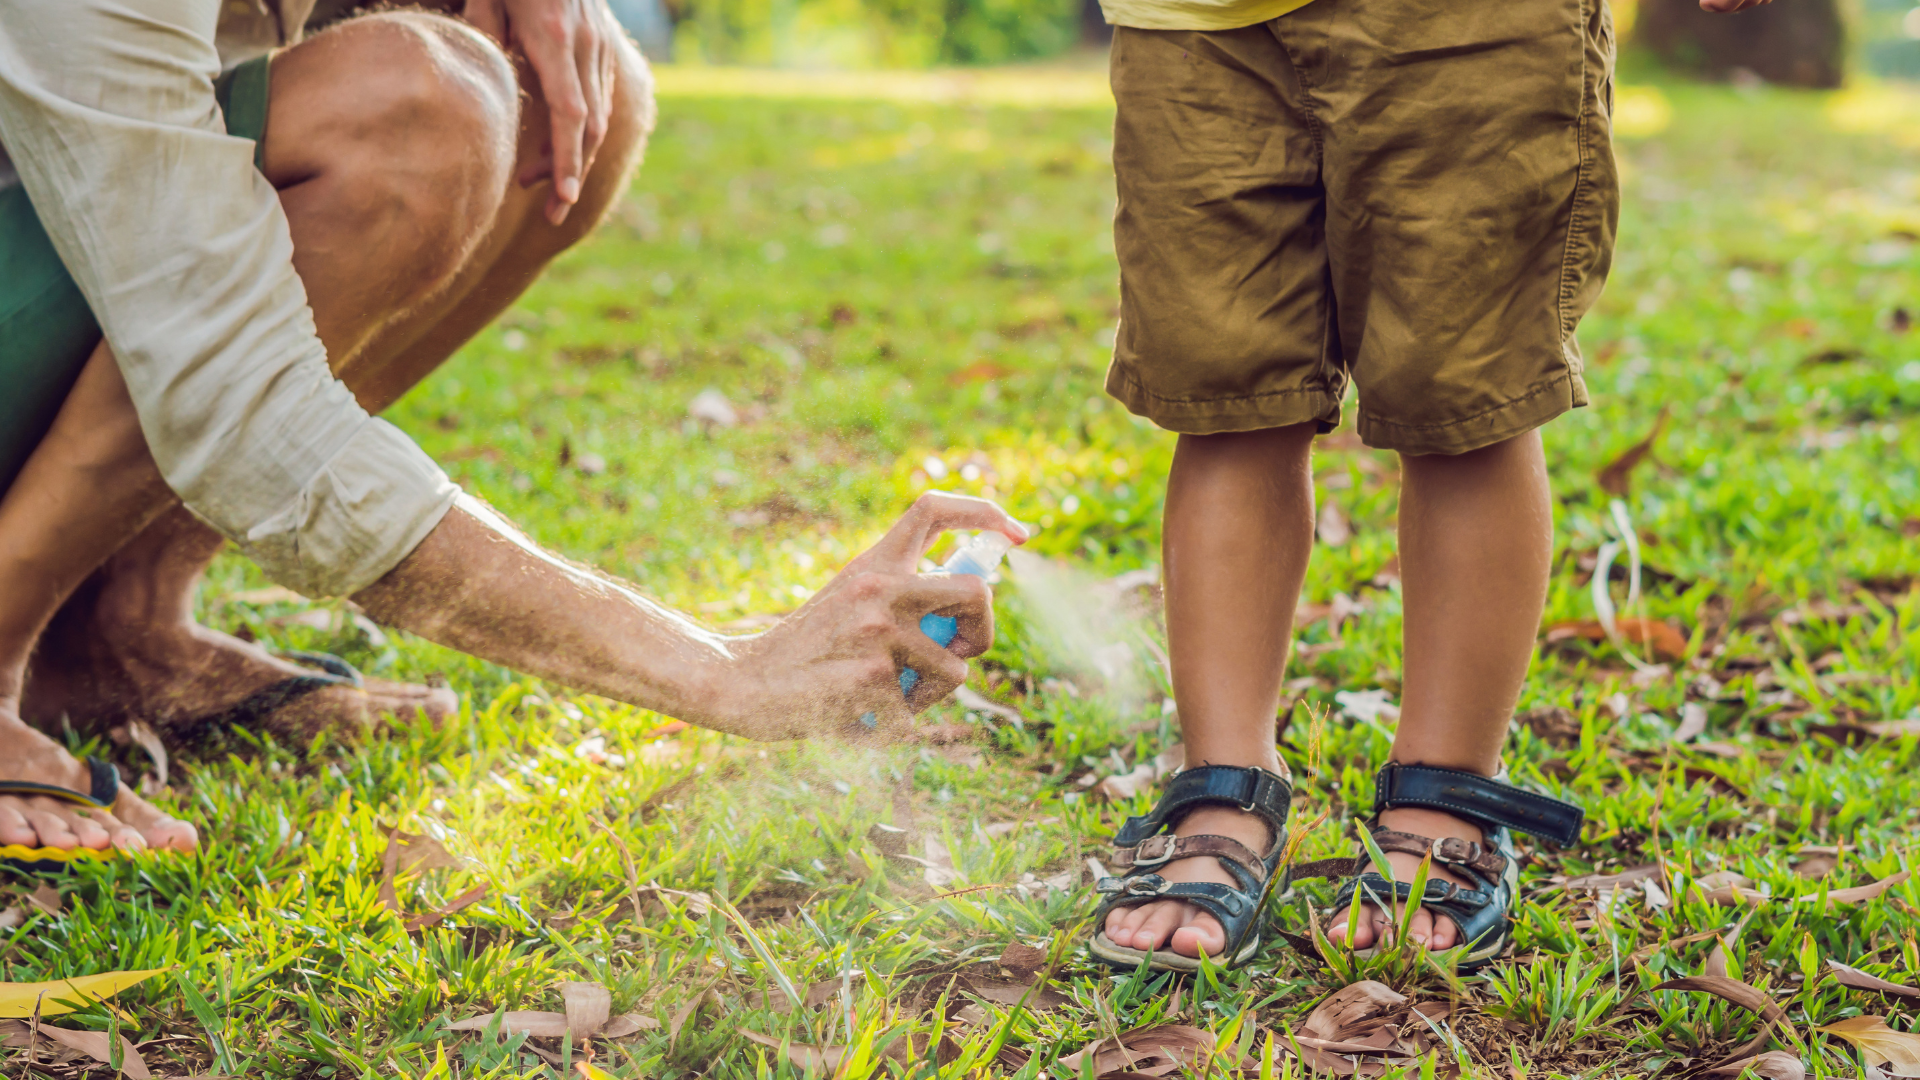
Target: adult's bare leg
[1238,530]
[341,152]
[398,128]
[1476,552]
[88,487]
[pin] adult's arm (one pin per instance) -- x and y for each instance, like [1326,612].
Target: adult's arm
[478,586]
[181,248]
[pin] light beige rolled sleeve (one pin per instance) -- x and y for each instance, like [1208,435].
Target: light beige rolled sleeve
[180,246]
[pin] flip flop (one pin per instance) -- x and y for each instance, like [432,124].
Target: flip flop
[252,709]
[105,791]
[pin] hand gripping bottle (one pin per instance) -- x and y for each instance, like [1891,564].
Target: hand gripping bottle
[979,556]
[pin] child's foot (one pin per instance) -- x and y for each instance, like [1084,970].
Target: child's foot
[1187,928]
[1436,933]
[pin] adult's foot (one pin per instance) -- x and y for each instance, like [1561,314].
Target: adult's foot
[97,669]
[1186,928]
[1437,933]
[134,823]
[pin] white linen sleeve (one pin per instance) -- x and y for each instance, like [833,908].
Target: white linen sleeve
[182,250]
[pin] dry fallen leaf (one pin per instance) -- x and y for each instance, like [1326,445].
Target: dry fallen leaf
[459,903]
[820,1060]
[22,999]
[1880,1044]
[1354,1012]
[94,1044]
[47,899]
[1667,642]
[1860,980]
[939,869]
[1693,722]
[1332,528]
[1160,1050]
[686,1012]
[1818,861]
[628,1024]
[978,702]
[1862,893]
[1616,477]
[1010,992]
[1022,961]
[416,854]
[544,1025]
[1633,875]
[1747,997]
[1775,1065]
[588,1006]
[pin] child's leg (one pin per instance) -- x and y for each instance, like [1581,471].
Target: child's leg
[1476,548]
[1238,529]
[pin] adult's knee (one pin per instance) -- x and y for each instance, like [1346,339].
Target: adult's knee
[411,119]
[629,124]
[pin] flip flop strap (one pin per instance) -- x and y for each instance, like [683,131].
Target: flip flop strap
[103,788]
[1235,910]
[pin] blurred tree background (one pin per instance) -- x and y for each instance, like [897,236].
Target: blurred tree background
[1809,43]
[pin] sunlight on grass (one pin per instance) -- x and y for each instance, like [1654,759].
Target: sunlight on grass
[903,281]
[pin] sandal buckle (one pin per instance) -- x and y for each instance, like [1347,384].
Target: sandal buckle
[1151,885]
[1453,851]
[1154,850]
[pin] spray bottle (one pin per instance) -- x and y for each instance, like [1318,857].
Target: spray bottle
[979,556]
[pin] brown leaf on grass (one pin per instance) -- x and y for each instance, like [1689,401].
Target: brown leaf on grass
[1716,964]
[12,916]
[1159,1050]
[416,854]
[1355,1012]
[817,995]
[1022,961]
[1819,861]
[459,903]
[1667,642]
[1009,992]
[1633,875]
[628,1024]
[1860,980]
[47,899]
[685,1013]
[1332,528]
[93,1044]
[1775,1065]
[1747,997]
[1616,478]
[544,1025]
[1693,722]
[1879,1044]
[978,702]
[1862,893]
[588,1006]
[819,1060]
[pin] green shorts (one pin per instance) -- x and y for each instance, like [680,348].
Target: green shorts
[46,329]
[1415,197]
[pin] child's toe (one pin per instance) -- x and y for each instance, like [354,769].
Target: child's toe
[1203,934]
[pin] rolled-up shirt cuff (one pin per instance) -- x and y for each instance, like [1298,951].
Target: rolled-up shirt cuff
[356,519]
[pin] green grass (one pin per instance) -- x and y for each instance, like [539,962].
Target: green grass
[877,282]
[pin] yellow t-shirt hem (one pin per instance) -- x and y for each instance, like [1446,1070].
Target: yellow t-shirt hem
[1195,14]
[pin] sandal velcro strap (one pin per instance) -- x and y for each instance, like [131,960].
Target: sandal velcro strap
[1256,791]
[1446,851]
[1166,847]
[1478,799]
[1443,896]
[1224,902]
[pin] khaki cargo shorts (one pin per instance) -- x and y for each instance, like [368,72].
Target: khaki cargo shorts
[1416,195]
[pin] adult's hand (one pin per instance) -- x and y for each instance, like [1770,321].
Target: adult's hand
[570,46]
[838,658]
